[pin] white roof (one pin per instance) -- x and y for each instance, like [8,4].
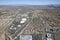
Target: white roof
[19,25]
[49,38]
[10,28]
[24,19]
[25,37]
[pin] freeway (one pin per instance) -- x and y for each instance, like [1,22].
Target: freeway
[18,25]
[20,29]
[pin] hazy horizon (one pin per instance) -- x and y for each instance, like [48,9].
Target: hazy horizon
[29,2]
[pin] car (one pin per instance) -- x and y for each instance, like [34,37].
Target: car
[49,38]
[48,35]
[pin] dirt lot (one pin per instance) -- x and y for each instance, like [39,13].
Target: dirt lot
[4,23]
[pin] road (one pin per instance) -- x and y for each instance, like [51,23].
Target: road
[12,33]
[20,29]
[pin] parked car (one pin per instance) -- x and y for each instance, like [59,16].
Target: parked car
[48,36]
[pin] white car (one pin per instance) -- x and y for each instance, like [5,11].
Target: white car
[49,35]
[49,38]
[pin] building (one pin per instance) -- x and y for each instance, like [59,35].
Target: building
[24,29]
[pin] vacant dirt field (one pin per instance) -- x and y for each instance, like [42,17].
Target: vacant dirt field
[4,23]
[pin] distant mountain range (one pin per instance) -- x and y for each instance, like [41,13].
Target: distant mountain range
[24,5]
[56,5]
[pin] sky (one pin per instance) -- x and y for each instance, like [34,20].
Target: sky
[29,2]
